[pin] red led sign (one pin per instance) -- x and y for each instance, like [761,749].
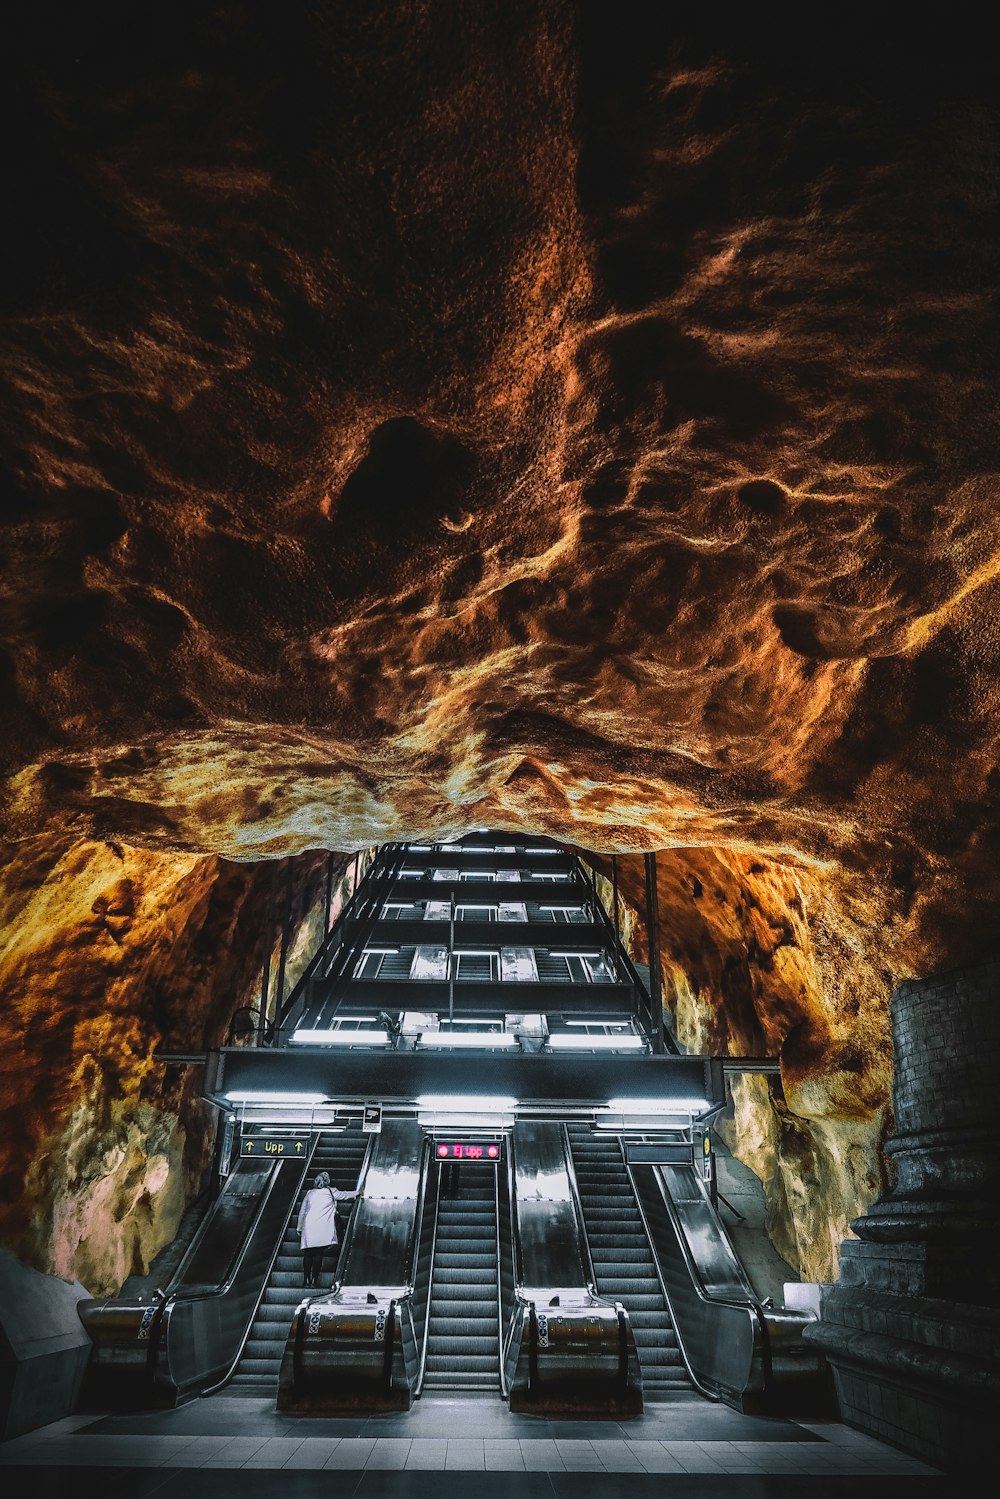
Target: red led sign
[467,1150]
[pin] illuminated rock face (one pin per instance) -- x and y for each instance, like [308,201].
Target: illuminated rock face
[111,953]
[424,416]
[758,961]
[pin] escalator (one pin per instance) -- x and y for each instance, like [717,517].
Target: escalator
[622,1257]
[340,1153]
[183,1340]
[463,1326]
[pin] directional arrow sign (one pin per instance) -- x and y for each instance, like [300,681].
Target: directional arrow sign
[276,1147]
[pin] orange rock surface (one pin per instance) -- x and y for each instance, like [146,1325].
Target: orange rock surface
[549,416]
[110,954]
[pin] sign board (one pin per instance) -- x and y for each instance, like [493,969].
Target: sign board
[664,1153]
[489,1151]
[273,1147]
[371,1124]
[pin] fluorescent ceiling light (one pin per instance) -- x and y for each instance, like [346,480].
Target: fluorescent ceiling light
[292,1098]
[579,1041]
[658,1105]
[365,1037]
[494,1039]
[592,1021]
[465,1103]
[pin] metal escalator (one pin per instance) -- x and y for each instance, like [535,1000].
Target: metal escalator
[185,1339]
[463,1324]
[622,1257]
[750,1355]
[341,1153]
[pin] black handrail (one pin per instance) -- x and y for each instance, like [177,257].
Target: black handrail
[359,1187]
[330,946]
[384,878]
[634,976]
[748,1304]
[181,1298]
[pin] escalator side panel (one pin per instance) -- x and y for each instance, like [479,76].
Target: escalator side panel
[354,1348]
[204,1334]
[208,1263]
[721,1339]
[577,1351]
[548,1231]
[154,1353]
[385,1218]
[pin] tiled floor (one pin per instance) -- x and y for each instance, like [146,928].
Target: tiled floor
[220,1447]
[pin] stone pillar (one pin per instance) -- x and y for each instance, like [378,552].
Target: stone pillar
[911,1328]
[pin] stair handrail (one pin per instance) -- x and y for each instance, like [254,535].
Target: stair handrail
[623,960]
[413,1248]
[333,942]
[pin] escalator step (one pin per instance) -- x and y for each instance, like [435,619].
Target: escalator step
[448,1325]
[455,1348]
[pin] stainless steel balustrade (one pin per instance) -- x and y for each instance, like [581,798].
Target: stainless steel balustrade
[749,1356]
[566,1348]
[355,1347]
[187,1340]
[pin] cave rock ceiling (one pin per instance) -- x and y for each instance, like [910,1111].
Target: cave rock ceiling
[543,415]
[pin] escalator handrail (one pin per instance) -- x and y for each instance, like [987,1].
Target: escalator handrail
[750,1300]
[517,1258]
[280,1239]
[496,1206]
[413,1248]
[359,1187]
[181,1298]
[584,1244]
[581,1226]
[682,1347]
[190,1251]
[172,1299]
[749,1304]
[430,1292]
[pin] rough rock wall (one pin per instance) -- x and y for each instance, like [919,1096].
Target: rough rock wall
[759,961]
[108,954]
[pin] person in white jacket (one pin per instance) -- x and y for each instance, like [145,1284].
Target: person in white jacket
[317,1225]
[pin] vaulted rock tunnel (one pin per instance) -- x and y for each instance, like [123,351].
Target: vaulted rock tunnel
[544,417]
